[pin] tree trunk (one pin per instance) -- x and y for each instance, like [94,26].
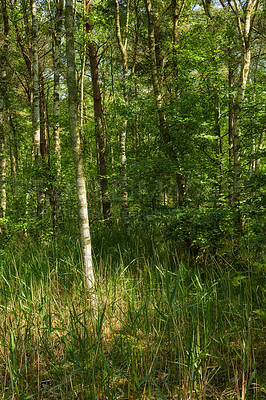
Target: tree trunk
[259,149]
[43,122]
[219,155]
[245,21]
[238,108]
[76,148]
[55,198]
[13,154]
[231,121]
[36,110]
[123,134]
[3,98]
[231,115]
[159,104]
[100,136]
[35,86]
[176,15]
[254,160]
[2,160]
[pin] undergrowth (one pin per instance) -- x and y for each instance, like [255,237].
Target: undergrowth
[160,329]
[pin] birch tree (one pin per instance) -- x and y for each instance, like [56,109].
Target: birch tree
[76,148]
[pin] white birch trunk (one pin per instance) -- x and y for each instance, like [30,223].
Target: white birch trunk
[76,149]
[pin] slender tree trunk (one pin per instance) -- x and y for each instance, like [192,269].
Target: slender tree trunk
[3,95]
[76,148]
[177,12]
[253,158]
[159,104]
[123,134]
[12,158]
[14,142]
[26,51]
[13,151]
[259,149]
[36,110]
[136,37]
[231,119]
[238,108]
[231,116]
[133,75]
[100,136]
[219,143]
[56,105]
[82,76]
[2,162]
[245,23]
[35,86]
[43,121]
[57,213]
[13,155]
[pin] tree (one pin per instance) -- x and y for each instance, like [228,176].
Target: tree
[154,48]
[154,87]
[76,148]
[100,136]
[3,108]
[245,15]
[36,109]
[123,134]
[56,40]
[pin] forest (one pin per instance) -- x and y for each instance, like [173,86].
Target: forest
[132,199]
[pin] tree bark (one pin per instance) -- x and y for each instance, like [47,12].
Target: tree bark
[158,93]
[77,150]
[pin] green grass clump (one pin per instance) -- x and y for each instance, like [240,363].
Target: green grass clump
[160,329]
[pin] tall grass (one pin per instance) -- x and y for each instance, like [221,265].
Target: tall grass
[161,329]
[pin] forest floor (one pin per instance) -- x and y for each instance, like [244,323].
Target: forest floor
[160,328]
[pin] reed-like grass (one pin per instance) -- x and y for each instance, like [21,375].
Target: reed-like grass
[161,329]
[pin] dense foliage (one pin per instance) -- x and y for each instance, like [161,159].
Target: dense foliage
[171,114]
